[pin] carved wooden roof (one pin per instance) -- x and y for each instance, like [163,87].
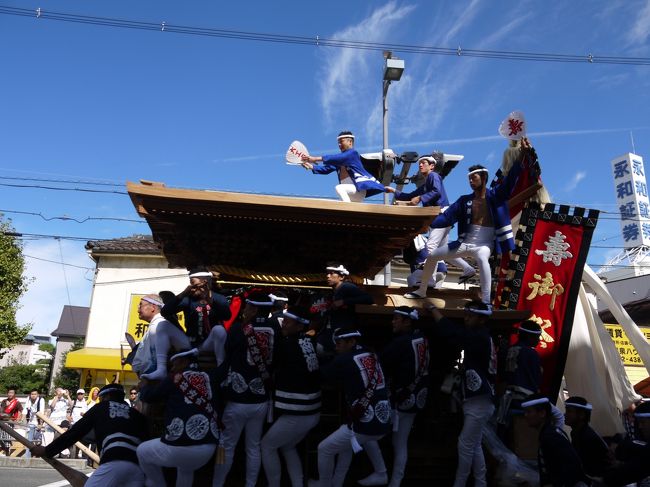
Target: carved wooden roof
[274,235]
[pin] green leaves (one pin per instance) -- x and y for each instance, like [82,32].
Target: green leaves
[12,287]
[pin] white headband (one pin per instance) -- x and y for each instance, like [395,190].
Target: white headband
[278,298]
[427,158]
[348,136]
[295,317]
[475,171]
[532,332]
[259,303]
[201,274]
[153,301]
[352,334]
[577,405]
[413,314]
[340,269]
[642,415]
[534,402]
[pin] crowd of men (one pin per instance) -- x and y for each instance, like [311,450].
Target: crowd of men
[265,382]
[265,375]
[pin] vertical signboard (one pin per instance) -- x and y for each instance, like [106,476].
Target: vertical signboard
[632,199]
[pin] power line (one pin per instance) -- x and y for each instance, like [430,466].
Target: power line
[83,190]
[57,262]
[63,181]
[35,236]
[68,218]
[317,41]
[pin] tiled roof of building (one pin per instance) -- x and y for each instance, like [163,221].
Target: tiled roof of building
[136,244]
[73,322]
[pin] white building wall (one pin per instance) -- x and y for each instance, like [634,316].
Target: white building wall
[116,279]
[23,354]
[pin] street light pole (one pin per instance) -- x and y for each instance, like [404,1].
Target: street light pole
[393,69]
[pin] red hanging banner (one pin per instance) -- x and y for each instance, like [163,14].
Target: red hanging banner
[552,246]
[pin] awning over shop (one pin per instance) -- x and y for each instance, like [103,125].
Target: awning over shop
[95,358]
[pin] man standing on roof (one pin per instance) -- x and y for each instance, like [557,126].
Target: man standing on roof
[483,217]
[432,193]
[355,183]
[118,429]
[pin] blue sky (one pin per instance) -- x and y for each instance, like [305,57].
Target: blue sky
[106,104]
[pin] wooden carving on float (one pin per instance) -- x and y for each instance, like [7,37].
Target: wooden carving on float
[280,239]
[552,245]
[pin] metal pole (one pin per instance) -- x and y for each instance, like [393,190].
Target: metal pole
[387,269]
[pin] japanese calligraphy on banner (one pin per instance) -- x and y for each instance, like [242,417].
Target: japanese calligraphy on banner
[552,246]
[625,349]
[632,199]
[137,327]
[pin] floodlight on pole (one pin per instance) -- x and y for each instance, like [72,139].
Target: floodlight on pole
[393,69]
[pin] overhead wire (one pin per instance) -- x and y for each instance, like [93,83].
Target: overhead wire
[318,41]
[68,218]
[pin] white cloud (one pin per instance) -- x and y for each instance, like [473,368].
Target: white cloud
[51,289]
[640,30]
[343,68]
[577,177]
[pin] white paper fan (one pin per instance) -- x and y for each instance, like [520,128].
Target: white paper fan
[514,126]
[296,150]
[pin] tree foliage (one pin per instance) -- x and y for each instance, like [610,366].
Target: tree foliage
[24,377]
[12,287]
[69,378]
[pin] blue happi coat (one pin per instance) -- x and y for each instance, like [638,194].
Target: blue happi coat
[497,203]
[350,160]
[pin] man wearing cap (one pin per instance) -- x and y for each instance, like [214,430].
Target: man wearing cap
[250,351]
[558,463]
[150,359]
[359,373]
[632,463]
[203,309]
[297,397]
[432,193]
[405,362]
[522,376]
[483,217]
[118,430]
[478,372]
[591,448]
[355,183]
[191,423]
[341,311]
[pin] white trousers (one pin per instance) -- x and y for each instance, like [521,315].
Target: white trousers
[331,473]
[438,237]
[287,431]
[154,454]
[400,448]
[237,417]
[349,193]
[118,473]
[477,411]
[481,254]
